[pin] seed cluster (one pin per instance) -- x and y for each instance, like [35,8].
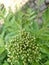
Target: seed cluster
[23,47]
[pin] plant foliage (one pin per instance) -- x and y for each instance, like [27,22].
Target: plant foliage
[22,40]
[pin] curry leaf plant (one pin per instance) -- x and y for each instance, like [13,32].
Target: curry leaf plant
[26,42]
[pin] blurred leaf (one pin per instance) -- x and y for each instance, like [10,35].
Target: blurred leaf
[3,56]
[1,42]
[2,50]
[35,27]
[35,63]
[5,63]
[47,63]
[45,49]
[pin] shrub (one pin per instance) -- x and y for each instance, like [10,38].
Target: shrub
[25,41]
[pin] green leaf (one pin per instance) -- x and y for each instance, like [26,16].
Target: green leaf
[45,49]
[35,63]
[47,63]
[35,27]
[46,17]
[1,42]
[3,56]
[2,50]
[6,63]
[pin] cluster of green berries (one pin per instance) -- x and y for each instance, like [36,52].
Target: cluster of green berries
[23,47]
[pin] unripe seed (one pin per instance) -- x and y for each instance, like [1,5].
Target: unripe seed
[24,47]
